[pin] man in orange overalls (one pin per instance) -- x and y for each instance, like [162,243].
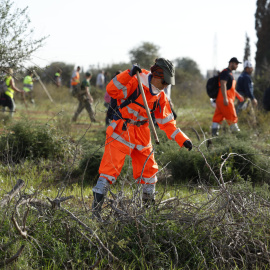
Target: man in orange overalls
[225,109]
[129,133]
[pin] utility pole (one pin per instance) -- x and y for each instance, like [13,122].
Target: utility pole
[215,54]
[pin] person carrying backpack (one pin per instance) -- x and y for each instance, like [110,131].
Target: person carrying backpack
[225,109]
[129,133]
[85,99]
[8,96]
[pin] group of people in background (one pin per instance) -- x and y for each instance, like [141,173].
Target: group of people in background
[224,103]
[8,88]
[228,90]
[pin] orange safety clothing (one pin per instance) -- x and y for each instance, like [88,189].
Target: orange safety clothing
[132,137]
[228,112]
[75,79]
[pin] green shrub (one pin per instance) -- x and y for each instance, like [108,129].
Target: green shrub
[89,165]
[23,140]
[246,162]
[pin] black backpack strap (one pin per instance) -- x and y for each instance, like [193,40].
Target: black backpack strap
[131,98]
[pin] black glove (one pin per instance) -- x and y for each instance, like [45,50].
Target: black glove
[134,69]
[188,145]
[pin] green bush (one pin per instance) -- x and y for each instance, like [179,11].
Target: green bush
[89,166]
[246,162]
[23,140]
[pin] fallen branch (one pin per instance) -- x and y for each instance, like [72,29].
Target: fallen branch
[13,258]
[8,197]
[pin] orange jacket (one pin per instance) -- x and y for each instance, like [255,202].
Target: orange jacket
[120,88]
[76,79]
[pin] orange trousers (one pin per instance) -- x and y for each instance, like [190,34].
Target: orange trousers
[223,112]
[114,157]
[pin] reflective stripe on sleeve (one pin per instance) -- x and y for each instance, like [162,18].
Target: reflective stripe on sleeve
[120,86]
[113,125]
[141,147]
[178,130]
[163,121]
[121,140]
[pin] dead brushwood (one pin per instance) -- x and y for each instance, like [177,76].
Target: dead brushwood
[226,226]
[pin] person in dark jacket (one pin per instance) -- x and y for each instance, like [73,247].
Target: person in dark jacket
[245,88]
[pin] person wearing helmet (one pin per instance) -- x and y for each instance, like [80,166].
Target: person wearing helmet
[129,133]
[85,99]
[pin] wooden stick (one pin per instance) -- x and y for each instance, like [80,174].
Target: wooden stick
[43,86]
[152,127]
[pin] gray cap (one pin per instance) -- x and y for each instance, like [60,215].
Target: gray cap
[168,70]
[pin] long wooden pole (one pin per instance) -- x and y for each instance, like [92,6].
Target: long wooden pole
[152,127]
[43,86]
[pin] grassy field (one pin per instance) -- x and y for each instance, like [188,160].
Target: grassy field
[212,207]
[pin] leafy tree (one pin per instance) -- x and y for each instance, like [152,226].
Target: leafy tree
[144,55]
[262,26]
[247,49]
[16,44]
[47,74]
[188,66]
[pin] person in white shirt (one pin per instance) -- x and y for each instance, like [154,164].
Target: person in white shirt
[100,83]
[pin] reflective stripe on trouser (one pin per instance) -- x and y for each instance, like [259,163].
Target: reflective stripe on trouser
[102,186]
[113,160]
[225,112]
[215,125]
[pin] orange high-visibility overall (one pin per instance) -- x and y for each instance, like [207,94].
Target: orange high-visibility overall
[134,138]
[226,112]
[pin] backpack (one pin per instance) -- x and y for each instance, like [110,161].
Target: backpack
[75,90]
[3,85]
[212,86]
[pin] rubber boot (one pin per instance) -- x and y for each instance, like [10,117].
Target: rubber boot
[234,128]
[148,199]
[97,204]
[214,132]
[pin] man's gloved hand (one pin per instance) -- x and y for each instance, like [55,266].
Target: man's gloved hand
[188,145]
[134,69]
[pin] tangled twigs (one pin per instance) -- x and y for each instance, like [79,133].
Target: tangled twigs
[8,197]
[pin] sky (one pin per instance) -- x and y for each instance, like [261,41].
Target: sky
[100,33]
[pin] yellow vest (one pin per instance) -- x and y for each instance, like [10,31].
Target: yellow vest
[28,84]
[10,91]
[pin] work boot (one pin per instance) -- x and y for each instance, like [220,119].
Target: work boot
[215,128]
[234,128]
[97,204]
[148,199]
[215,132]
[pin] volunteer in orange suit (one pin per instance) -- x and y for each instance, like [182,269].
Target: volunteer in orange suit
[129,133]
[225,109]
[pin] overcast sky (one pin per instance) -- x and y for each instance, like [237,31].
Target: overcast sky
[87,32]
